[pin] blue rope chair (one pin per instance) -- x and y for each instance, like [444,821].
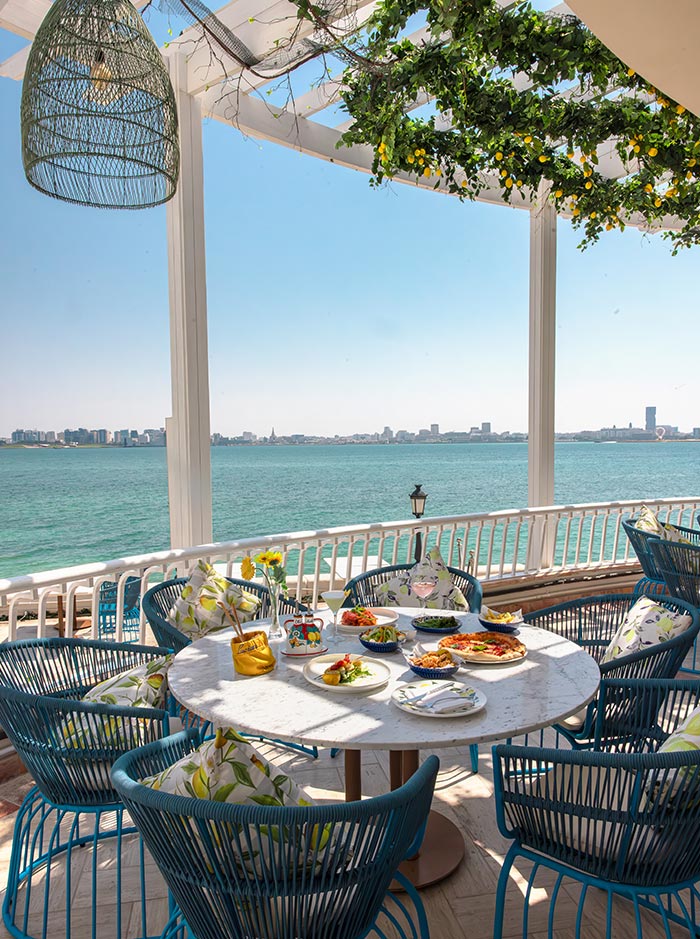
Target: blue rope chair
[363,588]
[679,565]
[157,603]
[609,820]
[107,610]
[324,870]
[591,622]
[68,746]
[653,581]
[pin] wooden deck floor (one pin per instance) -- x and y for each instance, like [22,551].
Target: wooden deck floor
[461,907]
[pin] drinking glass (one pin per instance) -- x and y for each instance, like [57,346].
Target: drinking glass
[334,599]
[422,589]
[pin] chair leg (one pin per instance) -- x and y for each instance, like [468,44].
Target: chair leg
[41,868]
[474,757]
[501,891]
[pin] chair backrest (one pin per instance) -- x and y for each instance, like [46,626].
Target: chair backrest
[640,545]
[69,745]
[631,818]
[158,601]
[591,622]
[679,566]
[363,588]
[107,610]
[268,871]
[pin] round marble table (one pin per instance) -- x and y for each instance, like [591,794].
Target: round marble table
[555,680]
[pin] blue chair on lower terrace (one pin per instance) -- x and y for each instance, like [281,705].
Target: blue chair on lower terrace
[591,622]
[69,745]
[157,603]
[622,818]
[240,871]
[107,610]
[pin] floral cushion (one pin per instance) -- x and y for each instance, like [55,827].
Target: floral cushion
[686,738]
[445,596]
[646,624]
[647,521]
[141,686]
[197,610]
[229,769]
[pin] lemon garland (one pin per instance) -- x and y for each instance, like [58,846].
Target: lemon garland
[520,136]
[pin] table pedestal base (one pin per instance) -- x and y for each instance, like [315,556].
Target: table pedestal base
[441,853]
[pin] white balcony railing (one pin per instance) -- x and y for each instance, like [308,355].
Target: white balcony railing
[498,546]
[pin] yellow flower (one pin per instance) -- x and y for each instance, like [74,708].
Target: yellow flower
[426,171]
[381,147]
[637,148]
[692,162]
[680,109]
[499,155]
[504,172]
[589,185]
[582,159]
[631,72]
[438,172]
[688,175]
[657,202]
[648,188]
[422,153]
[464,184]
[588,171]
[608,226]
[593,214]
[652,151]
[528,139]
[542,158]
[576,212]
[411,158]
[269,558]
[518,183]
[247,569]
[558,194]
[417,152]
[670,193]
[421,161]
[574,196]
[570,154]
[509,183]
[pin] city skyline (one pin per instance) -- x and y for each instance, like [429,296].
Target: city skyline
[483,432]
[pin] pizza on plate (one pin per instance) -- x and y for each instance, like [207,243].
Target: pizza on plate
[484,646]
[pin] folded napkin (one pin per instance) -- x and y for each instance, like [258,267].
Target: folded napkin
[443,699]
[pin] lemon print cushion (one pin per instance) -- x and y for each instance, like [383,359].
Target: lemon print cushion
[143,686]
[197,611]
[686,738]
[432,569]
[649,523]
[646,624]
[229,769]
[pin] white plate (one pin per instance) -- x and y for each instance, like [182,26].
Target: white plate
[385,617]
[317,666]
[304,655]
[473,702]
[465,657]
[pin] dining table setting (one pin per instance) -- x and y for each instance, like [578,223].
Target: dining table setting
[401,679]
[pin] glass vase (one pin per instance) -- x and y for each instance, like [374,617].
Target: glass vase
[276,631]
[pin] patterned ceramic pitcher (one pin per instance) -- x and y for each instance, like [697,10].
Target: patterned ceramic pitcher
[304,634]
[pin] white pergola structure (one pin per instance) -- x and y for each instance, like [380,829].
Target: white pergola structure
[203,84]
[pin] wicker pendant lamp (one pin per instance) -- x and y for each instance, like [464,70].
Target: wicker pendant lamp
[99,122]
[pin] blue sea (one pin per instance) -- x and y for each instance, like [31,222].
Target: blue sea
[64,507]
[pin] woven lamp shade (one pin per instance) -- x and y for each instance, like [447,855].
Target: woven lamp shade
[99,122]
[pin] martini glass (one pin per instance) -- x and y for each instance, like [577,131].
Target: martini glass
[334,599]
[422,589]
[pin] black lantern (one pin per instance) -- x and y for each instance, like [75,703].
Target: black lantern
[418,498]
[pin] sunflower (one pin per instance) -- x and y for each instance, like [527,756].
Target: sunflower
[247,569]
[269,558]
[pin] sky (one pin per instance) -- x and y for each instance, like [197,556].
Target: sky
[333,307]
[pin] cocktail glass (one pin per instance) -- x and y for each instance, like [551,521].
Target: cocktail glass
[334,599]
[422,589]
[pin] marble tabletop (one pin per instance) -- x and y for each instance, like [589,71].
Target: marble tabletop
[555,680]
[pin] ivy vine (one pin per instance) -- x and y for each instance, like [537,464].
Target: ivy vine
[520,97]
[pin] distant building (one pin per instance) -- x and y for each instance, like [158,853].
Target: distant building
[435,429]
[650,419]
[696,433]
[486,427]
[388,433]
[103,436]
[424,432]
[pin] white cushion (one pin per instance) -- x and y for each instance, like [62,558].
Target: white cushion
[198,611]
[647,521]
[432,568]
[646,624]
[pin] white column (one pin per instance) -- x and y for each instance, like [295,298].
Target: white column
[188,430]
[542,355]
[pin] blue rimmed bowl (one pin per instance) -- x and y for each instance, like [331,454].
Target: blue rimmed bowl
[501,627]
[451,624]
[447,672]
[382,646]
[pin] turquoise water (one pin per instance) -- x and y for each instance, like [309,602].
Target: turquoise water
[63,507]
